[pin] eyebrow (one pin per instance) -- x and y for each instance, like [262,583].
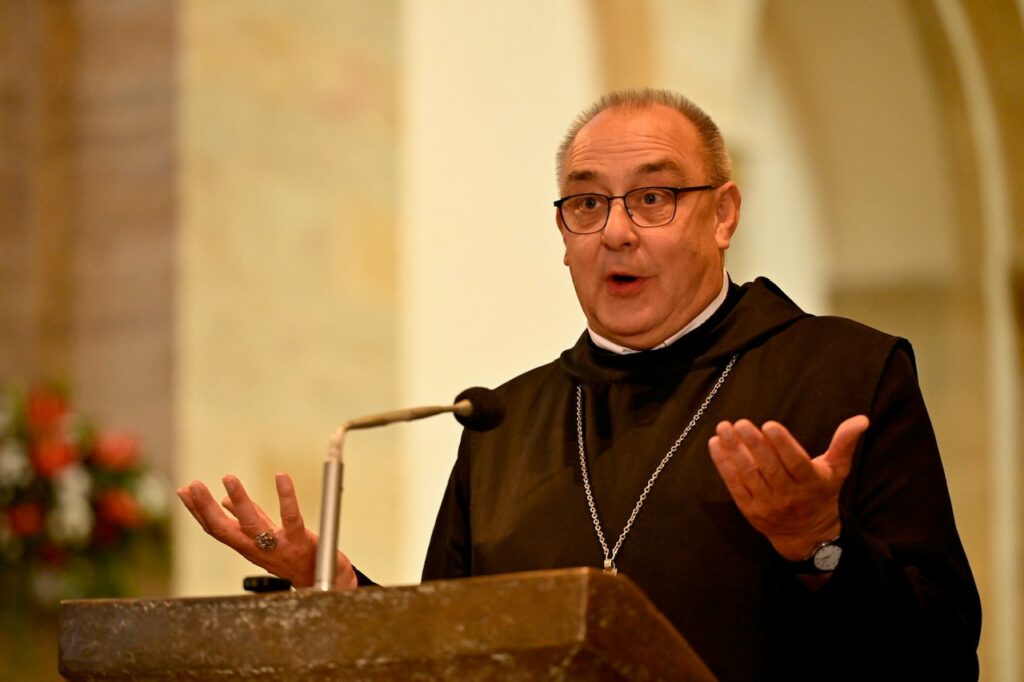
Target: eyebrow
[581,176]
[658,166]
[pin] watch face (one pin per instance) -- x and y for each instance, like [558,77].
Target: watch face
[827,557]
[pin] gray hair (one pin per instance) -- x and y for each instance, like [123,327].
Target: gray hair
[717,163]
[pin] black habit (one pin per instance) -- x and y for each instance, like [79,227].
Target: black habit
[902,603]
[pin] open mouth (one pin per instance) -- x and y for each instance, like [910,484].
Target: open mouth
[624,284]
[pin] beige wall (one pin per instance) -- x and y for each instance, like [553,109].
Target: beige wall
[286,262]
[487,90]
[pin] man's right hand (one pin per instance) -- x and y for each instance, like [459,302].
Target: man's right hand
[294,556]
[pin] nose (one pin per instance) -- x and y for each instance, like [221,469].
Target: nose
[620,230]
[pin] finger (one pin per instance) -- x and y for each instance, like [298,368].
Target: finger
[224,528]
[203,503]
[791,454]
[733,448]
[244,509]
[764,456]
[737,451]
[727,470]
[736,461]
[215,521]
[291,515]
[230,506]
[186,498]
[840,451]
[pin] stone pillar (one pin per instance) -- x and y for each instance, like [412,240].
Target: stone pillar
[87,206]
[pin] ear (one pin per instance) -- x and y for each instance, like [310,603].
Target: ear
[727,213]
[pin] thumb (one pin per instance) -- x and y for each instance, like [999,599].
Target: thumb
[840,451]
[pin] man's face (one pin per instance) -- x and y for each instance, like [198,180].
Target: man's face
[639,285]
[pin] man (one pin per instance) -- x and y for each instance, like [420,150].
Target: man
[818,544]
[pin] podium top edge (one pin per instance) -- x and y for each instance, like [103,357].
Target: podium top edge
[576,575]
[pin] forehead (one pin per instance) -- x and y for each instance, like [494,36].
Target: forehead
[621,143]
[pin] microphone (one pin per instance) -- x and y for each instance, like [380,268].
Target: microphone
[477,409]
[485,409]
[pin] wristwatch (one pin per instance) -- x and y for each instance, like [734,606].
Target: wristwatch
[824,558]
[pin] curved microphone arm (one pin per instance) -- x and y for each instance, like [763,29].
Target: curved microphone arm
[334,467]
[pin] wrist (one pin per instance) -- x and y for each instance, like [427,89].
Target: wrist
[823,559]
[801,547]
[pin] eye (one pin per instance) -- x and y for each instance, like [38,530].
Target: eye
[586,203]
[652,197]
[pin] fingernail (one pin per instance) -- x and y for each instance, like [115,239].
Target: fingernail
[728,434]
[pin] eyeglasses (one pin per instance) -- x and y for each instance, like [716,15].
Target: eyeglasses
[646,207]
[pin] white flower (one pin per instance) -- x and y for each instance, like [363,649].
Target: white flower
[73,483]
[15,468]
[151,494]
[70,522]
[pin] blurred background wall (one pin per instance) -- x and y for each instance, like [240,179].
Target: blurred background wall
[232,225]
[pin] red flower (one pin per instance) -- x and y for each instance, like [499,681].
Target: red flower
[119,508]
[45,410]
[117,451]
[51,455]
[25,519]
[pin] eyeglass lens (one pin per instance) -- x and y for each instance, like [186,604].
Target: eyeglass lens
[647,207]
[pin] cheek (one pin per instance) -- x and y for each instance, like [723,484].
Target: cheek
[579,257]
[580,281]
[687,266]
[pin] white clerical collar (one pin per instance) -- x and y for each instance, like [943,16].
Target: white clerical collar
[703,317]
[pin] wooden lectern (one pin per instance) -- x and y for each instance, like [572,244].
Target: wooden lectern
[574,624]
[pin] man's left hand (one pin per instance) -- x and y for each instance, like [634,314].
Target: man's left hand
[792,499]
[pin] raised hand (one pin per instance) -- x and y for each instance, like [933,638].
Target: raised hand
[792,499]
[287,550]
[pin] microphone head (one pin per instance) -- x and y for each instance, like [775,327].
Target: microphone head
[487,410]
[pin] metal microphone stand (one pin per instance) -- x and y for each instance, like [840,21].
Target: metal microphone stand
[334,467]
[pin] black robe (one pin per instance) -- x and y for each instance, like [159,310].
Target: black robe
[901,604]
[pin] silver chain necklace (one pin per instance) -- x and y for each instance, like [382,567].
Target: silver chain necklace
[609,557]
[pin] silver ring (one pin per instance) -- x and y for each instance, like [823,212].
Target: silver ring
[266,541]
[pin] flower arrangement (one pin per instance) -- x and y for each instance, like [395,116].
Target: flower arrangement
[78,509]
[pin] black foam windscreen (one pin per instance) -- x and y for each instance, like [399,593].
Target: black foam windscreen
[487,409]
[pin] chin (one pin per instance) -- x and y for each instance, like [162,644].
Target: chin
[629,336]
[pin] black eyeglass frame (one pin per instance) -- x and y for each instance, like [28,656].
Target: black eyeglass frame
[676,191]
